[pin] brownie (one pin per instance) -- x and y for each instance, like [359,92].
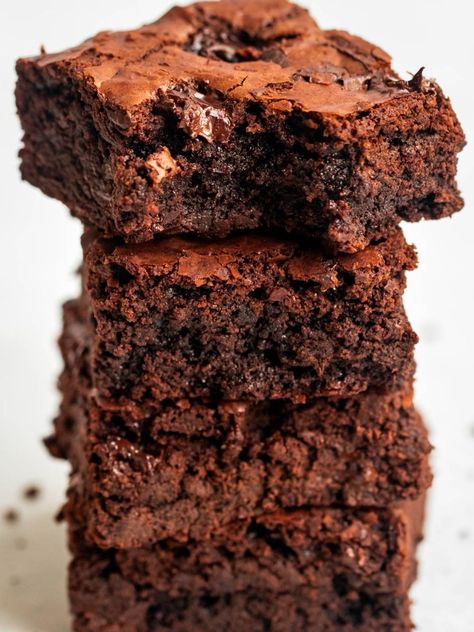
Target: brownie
[248,317]
[317,570]
[237,115]
[145,480]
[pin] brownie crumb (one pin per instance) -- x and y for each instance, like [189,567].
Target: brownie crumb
[11,516]
[59,517]
[32,492]
[416,82]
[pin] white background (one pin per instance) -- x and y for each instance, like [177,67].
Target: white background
[39,246]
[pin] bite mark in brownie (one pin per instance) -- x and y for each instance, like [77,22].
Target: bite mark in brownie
[316,570]
[230,116]
[251,317]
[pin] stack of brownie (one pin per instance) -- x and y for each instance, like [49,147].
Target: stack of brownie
[238,384]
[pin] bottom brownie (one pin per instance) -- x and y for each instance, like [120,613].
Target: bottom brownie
[314,570]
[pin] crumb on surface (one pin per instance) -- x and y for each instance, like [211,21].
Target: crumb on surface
[11,516]
[32,492]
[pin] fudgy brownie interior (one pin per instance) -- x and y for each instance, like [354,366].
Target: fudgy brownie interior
[304,571]
[156,476]
[251,317]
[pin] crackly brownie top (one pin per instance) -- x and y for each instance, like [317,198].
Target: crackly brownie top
[201,261]
[212,53]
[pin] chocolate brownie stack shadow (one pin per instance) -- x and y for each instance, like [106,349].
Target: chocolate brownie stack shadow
[237,394]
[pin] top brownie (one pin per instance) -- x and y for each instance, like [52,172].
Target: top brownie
[236,115]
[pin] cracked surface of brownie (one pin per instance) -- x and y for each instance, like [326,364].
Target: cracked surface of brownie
[236,115]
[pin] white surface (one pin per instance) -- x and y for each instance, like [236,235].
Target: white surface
[39,245]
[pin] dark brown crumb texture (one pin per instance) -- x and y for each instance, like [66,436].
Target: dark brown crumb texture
[317,570]
[253,317]
[160,476]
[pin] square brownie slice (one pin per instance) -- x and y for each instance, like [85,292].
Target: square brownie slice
[317,570]
[139,491]
[170,475]
[237,115]
[249,317]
